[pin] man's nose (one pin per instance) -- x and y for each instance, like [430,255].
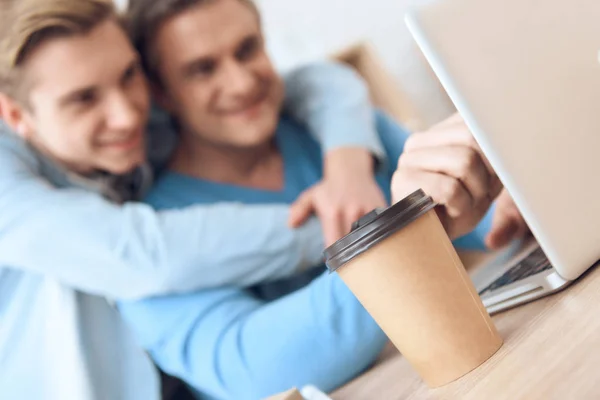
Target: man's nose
[122,113]
[238,80]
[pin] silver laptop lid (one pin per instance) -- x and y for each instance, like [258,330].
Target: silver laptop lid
[525,75]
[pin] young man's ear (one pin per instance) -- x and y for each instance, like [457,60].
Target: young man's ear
[12,114]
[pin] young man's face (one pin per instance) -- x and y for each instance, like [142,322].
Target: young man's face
[216,76]
[89,102]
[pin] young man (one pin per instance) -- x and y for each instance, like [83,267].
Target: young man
[71,89]
[213,75]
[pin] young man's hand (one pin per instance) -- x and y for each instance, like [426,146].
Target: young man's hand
[347,192]
[448,165]
[507,223]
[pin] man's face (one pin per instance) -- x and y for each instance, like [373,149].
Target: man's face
[216,76]
[89,102]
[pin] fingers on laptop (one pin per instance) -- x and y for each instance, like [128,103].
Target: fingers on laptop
[453,132]
[459,170]
[457,209]
[507,223]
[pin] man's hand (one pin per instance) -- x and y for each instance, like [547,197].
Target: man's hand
[448,165]
[507,223]
[347,192]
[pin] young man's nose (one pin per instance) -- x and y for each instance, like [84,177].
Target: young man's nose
[238,80]
[122,112]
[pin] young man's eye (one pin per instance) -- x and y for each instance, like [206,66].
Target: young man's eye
[131,73]
[202,69]
[249,48]
[84,98]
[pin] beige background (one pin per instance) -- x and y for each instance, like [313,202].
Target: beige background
[301,31]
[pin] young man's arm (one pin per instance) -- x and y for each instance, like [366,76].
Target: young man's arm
[131,251]
[333,102]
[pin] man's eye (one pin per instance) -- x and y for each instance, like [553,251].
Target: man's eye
[248,49]
[131,73]
[203,69]
[84,98]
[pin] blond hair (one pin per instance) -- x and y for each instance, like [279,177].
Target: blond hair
[145,17]
[26,24]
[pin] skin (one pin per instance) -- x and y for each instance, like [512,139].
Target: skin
[92,115]
[221,86]
[447,163]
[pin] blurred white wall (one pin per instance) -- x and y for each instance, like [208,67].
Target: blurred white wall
[121,4]
[299,31]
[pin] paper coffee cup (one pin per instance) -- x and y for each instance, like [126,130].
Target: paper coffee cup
[401,265]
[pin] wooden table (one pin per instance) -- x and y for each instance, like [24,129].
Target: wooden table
[551,351]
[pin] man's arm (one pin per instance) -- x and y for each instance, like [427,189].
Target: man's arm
[131,251]
[332,100]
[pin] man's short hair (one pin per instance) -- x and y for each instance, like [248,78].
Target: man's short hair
[26,24]
[145,17]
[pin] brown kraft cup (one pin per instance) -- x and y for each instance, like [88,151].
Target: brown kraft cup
[403,268]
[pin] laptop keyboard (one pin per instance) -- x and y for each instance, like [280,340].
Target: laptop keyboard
[532,264]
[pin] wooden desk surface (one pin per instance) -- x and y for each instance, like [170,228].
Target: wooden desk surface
[551,351]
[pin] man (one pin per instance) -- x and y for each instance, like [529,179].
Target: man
[79,102]
[221,89]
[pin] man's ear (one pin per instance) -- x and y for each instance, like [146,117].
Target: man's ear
[13,115]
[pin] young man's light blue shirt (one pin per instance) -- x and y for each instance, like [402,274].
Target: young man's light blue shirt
[64,249]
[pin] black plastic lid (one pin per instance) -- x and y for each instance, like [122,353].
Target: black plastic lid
[375,227]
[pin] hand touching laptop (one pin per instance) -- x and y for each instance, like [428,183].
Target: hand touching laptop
[507,223]
[446,162]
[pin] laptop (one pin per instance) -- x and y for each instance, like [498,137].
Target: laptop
[525,76]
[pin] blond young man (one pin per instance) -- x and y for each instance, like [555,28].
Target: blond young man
[77,102]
